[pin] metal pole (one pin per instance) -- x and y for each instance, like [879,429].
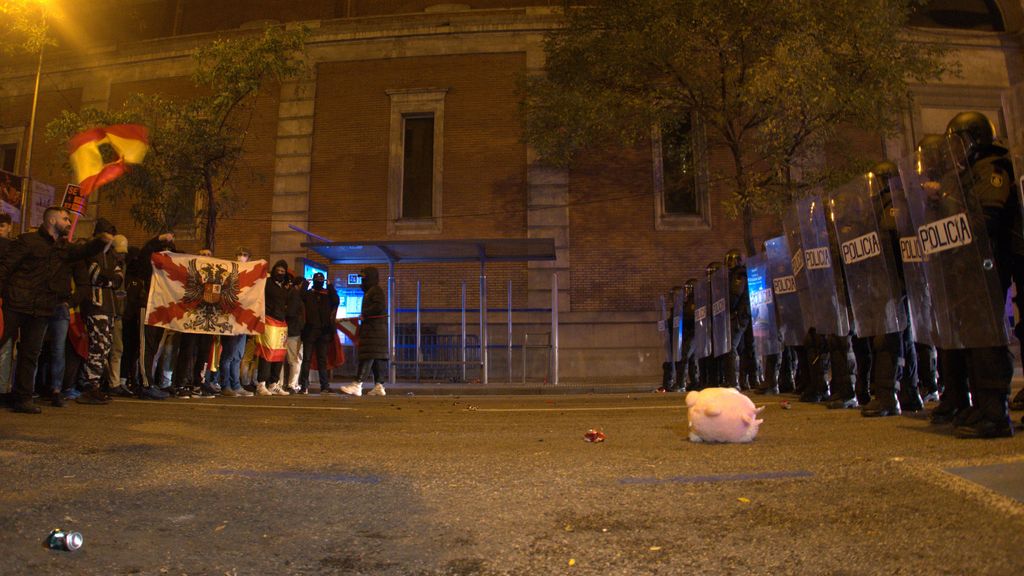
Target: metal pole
[554,329]
[392,322]
[483,324]
[28,146]
[419,327]
[526,346]
[463,336]
[509,331]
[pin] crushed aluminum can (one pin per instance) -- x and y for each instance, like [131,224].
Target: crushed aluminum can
[594,436]
[60,540]
[785,405]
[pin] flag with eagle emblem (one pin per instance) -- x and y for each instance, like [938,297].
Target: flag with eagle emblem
[206,295]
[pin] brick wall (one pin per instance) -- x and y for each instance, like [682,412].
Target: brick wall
[484,162]
[252,178]
[49,158]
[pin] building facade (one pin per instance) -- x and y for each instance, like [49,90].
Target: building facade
[407,127]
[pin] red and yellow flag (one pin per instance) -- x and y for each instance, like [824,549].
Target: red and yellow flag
[272,344]
[129,141]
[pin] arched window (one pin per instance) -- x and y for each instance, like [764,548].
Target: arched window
[961,14]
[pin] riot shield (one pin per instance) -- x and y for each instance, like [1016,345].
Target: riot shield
[702,319]
[762,307]
[915,283]
[677,327]
[869,267]
[664,329]
[821,294]
[720,323]
[784,290]
[967,297]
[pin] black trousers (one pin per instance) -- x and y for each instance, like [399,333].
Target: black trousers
[376,365]
[30,331]
[315,342]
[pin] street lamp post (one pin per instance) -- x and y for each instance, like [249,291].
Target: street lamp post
[27,183]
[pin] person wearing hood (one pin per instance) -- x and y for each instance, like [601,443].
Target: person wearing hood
[151,336]
[35,280]
[321,305]
[276,294]
[372,350]
[98,277]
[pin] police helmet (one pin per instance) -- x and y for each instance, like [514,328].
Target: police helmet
[880,177]
[975,131]
[930,154]
[732,258]
[688,286]
[712,267]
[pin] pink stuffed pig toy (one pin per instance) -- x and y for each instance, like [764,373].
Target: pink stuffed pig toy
[722,415]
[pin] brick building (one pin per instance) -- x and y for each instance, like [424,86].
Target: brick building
[325,153]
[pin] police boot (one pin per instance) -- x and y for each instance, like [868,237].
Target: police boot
[1018,401]
[910,396]
[731,369]
[991,419]
[885,403]
[666,377]
[953,402]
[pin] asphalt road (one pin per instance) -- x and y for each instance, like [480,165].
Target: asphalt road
[480,485]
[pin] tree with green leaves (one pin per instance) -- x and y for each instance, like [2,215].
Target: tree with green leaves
[196,144]
[773,82]
[25,29]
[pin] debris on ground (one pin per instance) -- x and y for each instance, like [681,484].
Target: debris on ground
[58,539]
[593,435]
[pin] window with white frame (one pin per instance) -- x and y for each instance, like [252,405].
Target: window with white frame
[415,164]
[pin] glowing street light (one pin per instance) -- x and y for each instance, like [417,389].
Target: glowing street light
[32,118]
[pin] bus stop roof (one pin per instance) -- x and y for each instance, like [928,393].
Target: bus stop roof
[427,251]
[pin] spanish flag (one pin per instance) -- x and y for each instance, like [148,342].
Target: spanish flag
[272,344]
[129,141]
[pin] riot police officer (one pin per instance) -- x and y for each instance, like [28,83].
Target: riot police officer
[894,369]
[740,363]
[686,369]
[990,369]
[711,372]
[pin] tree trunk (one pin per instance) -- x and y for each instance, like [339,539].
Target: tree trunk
[748,231]
[211,215]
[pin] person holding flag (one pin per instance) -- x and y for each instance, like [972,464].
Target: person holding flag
[271,346]
[35,279]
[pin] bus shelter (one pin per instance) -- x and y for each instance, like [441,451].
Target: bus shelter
[395,252]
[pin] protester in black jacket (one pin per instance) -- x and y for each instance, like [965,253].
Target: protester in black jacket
[373,336]
[98,277]
[321,305]
[35,278]
[276,293]
[151,335]
[7,350]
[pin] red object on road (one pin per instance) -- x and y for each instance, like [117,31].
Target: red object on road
[594,436]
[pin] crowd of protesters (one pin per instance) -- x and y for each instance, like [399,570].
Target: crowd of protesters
[74,326]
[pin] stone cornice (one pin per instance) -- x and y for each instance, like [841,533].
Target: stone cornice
[323,34]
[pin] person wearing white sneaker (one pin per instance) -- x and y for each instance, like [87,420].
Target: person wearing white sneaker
[372,349]
[277,390]
[353,389]
[271,348]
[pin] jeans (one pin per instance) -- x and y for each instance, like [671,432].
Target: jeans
[116,352]
[231,361]
[294,361]
[58,331]
[6,361]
